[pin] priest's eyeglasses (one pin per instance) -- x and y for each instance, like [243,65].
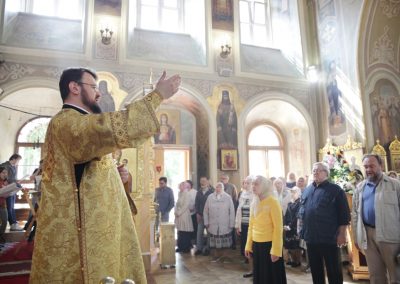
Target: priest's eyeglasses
[93,86]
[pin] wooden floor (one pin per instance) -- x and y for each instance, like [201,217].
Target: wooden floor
[191,269]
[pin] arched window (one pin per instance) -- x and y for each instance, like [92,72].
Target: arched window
[265,152]
[30,140]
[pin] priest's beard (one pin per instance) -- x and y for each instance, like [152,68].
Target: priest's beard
[92,105]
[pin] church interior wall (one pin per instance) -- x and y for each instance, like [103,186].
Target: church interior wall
[337,24]
[22,63]
[379,62]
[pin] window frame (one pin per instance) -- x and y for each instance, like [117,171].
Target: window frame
[266,149]
[160,6]
[252,24]
[35,145]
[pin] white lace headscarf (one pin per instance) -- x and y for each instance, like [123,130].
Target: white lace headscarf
[250,180]
[266,190]
[218,195]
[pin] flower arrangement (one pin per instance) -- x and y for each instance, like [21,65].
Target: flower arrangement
[340,173]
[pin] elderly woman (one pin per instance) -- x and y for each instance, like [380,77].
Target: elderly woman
[243,217]
[282,193]
[291,180]
[393,174]
[219,219]
[243,211]
[264,239]
[183,220]
[292,240]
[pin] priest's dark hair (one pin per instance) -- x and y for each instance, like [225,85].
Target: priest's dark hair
[72,75]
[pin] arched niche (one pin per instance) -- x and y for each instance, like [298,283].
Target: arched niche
[293,122]
[191,101]
[33,101]
[110,89]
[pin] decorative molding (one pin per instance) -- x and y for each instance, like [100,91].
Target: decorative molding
[54,71]
[10,72]
[205,87]
[130,80]
[106,52]
[247,91]
[390,8]
[384,49]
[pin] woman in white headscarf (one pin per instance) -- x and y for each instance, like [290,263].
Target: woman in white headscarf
[183,220]
[243,211]
[243,217]
[292,239]
[219,219]
[282,193]
[264,238]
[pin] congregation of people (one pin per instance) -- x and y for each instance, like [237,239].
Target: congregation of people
[280,221]
[295,222]
[301,223]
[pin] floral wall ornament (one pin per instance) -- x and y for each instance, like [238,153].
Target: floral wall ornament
[384,49]
[390,8]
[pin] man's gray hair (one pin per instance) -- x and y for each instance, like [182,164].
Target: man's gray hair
[323,166]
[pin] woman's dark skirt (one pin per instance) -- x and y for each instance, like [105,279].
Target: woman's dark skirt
[264,270]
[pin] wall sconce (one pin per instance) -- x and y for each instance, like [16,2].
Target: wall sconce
[158,169]
[106,35]
[225,50]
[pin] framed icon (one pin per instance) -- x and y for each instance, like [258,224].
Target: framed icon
[229,160]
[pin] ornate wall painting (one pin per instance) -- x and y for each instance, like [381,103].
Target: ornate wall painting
[226,122]
[337,50]
[106,102]
[108,7]
[336,116]
[112,94]
[169,127]
[297,151]
[229,160]
[227,106]
[222,15]
[385,111]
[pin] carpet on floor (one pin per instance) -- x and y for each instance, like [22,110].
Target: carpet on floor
[15,262]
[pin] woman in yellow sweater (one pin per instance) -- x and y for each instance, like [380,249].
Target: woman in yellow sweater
[265,235]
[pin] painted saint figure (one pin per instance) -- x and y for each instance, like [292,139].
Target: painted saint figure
[106,103]
[226,122]
[229,162]
[167,133]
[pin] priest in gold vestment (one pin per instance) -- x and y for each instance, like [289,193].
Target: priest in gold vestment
[85,228]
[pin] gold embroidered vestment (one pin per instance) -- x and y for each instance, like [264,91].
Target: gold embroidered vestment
[87,234]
